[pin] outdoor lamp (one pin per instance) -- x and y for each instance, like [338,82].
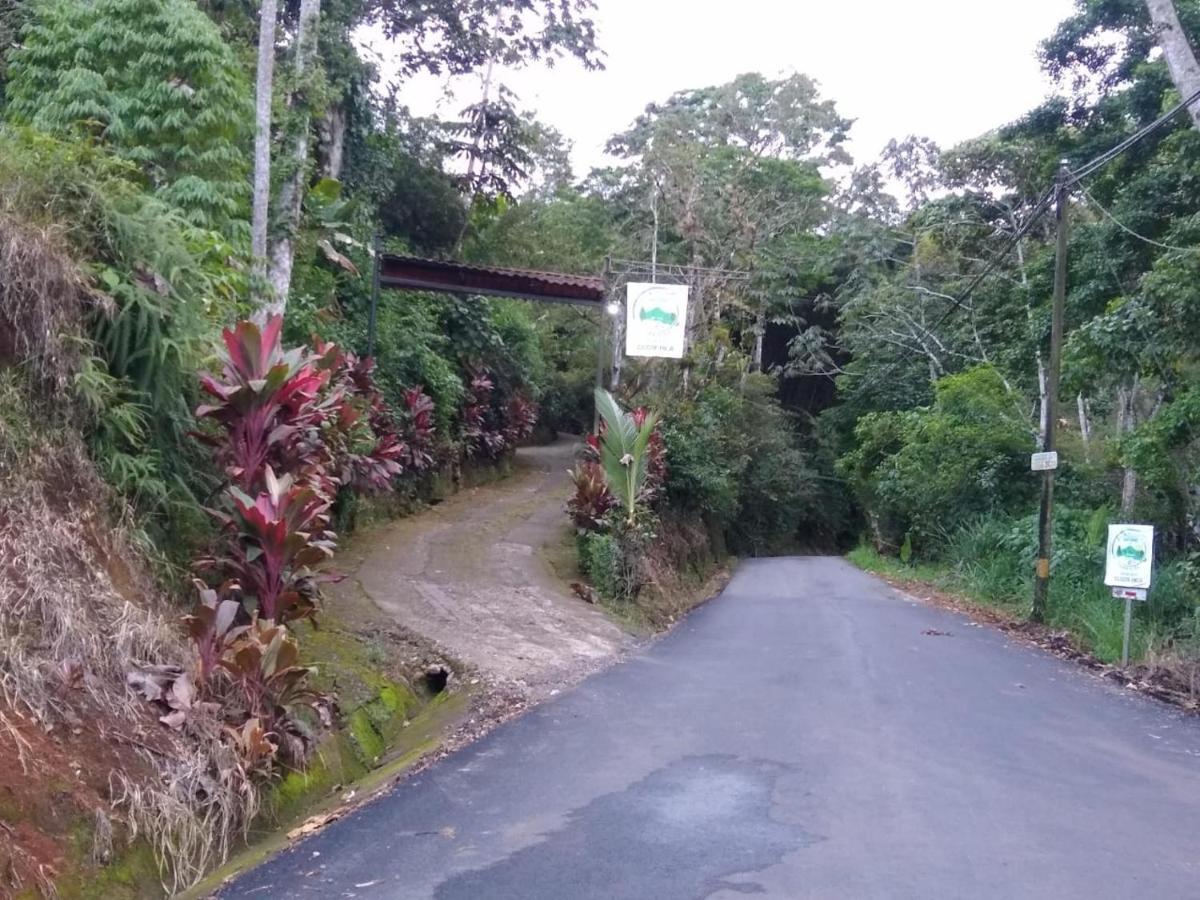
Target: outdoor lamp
[613,308]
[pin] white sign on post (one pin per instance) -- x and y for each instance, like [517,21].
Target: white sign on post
[1044,462]
[1130,558]
[656,320]
[1129,563]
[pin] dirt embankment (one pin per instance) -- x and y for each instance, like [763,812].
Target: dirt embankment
[448,622]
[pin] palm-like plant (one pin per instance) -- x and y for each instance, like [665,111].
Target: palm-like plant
[623,452]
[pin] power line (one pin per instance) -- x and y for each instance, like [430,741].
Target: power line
[1129,231]
[957,303]
[1034,214]
[1073,179]
[1104,158]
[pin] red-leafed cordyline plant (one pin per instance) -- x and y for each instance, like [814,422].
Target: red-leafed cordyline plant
[212,628]
[490,427]
[264,663]
[520,417]
[266,401]
[656,458]
[366,450]
[280,535]
[293,428]
[481,434]
[418,429]
[590,504]
[273,407]
[592,500]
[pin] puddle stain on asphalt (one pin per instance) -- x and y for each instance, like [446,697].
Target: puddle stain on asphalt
[675,835]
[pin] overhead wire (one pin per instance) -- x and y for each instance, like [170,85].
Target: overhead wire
[1104,158]
[1074,178]
[1129,231]
[958,302]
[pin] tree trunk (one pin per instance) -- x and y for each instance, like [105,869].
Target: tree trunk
[1085,427]
[1126,422]
[333,140]
[261,204]
[618,348]
[291,192]
[476,155]
[1181,59]
[760,328]
[1043,402]
[1043,405]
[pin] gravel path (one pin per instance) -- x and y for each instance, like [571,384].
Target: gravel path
[470,574]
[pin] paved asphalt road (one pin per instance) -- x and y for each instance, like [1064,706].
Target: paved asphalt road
[801,736]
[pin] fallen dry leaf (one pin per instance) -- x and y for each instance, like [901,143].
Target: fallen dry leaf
[313,825]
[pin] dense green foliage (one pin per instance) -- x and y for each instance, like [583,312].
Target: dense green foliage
[150,78]
[947,478]
[850,282]
[925,471]
[735,459]
[157,285]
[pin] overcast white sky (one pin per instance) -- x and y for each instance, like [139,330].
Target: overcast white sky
[948,69]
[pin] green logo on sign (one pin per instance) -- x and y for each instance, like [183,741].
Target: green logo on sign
[658,314]
[1127,548]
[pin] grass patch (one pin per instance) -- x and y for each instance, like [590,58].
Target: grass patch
[990,563]
[870,560]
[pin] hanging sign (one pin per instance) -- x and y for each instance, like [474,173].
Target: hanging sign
[655,320]
[1130,556]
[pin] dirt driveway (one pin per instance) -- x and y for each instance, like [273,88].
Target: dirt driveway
[471,575]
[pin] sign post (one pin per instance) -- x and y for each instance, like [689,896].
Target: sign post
[1128,569]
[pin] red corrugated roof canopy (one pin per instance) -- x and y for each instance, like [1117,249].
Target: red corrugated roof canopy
[413,273]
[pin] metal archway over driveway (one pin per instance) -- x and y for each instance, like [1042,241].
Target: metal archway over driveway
[411,273]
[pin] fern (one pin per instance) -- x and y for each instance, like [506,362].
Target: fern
[161,286]
[153,80]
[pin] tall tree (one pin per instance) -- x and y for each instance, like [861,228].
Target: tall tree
[263,87]
[1181,59]
[728,171]
[290,201]
[439,37]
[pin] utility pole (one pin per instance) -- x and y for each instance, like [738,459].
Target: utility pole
[600,347]
[1041,585]
[376,262]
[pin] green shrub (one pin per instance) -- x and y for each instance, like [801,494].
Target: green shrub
[708,453]
[992,558]
[161,286]
[927,471]
[734,457]
[600,562]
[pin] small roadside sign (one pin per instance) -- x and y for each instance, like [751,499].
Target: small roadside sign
[1129,562]
[1129,593]
[1044,462]
[1128,567]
